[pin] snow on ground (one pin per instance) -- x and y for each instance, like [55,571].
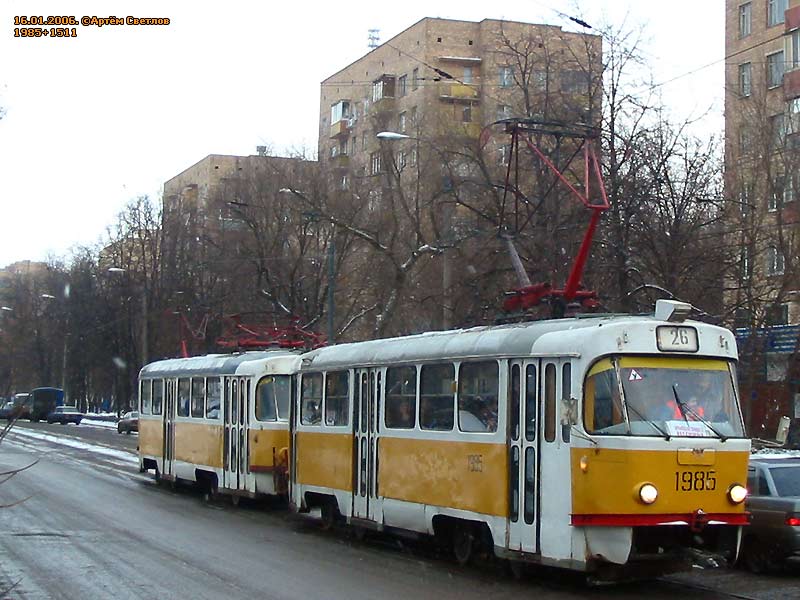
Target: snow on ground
[96,423]
[128,457]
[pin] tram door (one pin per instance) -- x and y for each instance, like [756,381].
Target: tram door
[236,463]
[365,443]
[523,460]
[555,430]
[167,468]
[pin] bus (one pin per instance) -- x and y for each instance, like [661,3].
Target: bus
[42,401]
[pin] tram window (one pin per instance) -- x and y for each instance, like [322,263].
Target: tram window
[283,395]
[437,401]
[550,402]
[513,484]
[513,402]
[365,398]
[233,403]
[183,396]
[602,408]
[401,397]
[311,399]
[530,403]
[158,396]
[567,407]
[212,398]
[145,395]
[529,507]
[478,387]
[337,395]
[265,400]
[198,396]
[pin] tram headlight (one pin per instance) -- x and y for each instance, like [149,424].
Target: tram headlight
[648,493]
[737,493]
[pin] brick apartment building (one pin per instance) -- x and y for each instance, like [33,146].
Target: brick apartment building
[762,122]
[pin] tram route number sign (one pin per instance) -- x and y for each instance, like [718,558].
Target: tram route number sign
[676,339]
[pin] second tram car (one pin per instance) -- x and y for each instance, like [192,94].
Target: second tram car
[219,420]
[607,444]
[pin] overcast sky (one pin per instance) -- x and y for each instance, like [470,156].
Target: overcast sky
[94,121]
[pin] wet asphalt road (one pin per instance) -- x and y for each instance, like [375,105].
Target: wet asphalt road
[93,527]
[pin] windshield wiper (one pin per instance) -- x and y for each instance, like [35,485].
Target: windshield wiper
[684,408]
[648,421]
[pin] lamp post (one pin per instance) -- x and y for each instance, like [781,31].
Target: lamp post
[143,296]
[447,275]
[65,352]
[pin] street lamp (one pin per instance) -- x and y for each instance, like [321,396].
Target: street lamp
[65,353]
[447,277]
[143,295]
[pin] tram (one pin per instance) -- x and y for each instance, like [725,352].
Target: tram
[221,421]
[612,445]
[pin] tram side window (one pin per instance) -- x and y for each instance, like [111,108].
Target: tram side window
[550,402]
[567,406]
[212,398]
[478,387]
[198,396]
[145,395]
[602,408]
[437,397]
[401,397]
[513,403]
[265,400]
[337,395]
[158,396]
[184,390]
[311,399]
[530,403]
[283,396]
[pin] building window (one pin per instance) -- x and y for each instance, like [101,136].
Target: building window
[402,85]
[745,199]
[401,160]
[413,157]
[506,77]
[375,162]
[503,112]
[745,19]
[777,128]
[745,79]
[467,75]
[503,154]
[795,45]
[353,145]
[415,79]
[778,314]
[746,263]
[574,82]
[745,140]
[775,12]
[363,141]
[466,114]
[340,111]
[775,261]
[401,122]
[383,88]
[775,66]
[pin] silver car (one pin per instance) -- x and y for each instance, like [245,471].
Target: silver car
[773,536]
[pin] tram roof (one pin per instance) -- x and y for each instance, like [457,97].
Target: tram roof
[210,364]
[515,339]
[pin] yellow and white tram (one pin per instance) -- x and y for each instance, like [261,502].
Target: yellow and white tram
[219,420]
[607,444]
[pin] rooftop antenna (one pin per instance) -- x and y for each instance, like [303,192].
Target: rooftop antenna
[373,38]
[262,150]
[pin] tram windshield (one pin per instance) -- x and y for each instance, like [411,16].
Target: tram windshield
[664,396]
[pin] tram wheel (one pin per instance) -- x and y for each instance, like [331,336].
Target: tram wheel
[235,499]
[463,543]
[330,514]
[757,557]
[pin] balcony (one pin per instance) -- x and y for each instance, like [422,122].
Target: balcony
[340,161]
[459,92]
[341,128]
[791,84]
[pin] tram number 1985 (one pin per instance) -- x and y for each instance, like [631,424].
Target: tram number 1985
[695,481]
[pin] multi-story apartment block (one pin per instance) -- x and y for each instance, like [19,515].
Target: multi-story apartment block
[444,77]
[762,124]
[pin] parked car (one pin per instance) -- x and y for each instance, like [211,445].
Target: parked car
[64,415]
[7,411]
[129,422]
[773,535]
